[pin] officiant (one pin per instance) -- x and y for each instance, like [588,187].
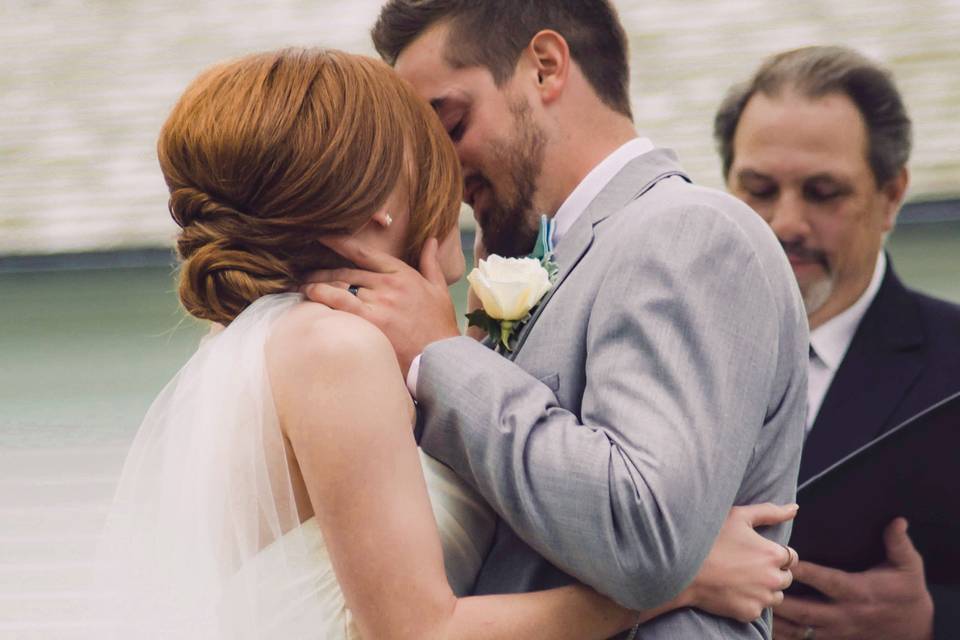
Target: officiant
[817,142]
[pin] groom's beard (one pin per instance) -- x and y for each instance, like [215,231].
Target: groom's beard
[505,212]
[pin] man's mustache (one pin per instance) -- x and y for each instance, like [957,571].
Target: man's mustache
[799,251]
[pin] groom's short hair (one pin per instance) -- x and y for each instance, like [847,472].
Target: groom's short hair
[493,33]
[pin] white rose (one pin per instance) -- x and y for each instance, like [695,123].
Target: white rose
[509,287]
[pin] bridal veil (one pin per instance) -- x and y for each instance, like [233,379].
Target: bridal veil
[204,539]
[204,489]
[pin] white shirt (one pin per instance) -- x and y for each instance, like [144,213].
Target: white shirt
[573,207]
[831,340]
[594,182]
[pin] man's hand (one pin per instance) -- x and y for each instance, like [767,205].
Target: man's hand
[412,308]
[888,602]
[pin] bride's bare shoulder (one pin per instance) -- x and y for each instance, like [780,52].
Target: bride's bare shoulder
[316,336]
[328,368]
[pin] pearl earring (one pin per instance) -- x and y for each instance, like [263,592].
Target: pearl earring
[387,220]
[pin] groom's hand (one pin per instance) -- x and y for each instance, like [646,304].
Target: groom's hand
[888,602]
[413,309]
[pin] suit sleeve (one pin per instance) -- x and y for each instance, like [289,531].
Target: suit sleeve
[946,611]
[629,496]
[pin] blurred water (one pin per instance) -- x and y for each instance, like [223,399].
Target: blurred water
[84,352]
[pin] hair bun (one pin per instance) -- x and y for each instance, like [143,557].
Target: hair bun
[218,281]
[221,274]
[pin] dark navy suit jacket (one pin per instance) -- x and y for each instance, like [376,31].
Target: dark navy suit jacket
[904,357]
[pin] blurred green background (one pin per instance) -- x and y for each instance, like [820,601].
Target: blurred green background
[85,350]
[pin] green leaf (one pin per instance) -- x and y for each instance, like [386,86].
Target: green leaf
[479,318]
[502,333]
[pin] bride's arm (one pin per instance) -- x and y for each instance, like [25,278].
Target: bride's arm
[343,405]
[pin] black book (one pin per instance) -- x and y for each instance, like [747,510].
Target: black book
[912,471]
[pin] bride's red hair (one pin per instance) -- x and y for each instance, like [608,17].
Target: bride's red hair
[264,154]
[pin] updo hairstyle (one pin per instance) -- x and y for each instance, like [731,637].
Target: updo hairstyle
[265,154]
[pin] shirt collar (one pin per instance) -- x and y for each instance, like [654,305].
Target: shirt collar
[832,339]
[594,182]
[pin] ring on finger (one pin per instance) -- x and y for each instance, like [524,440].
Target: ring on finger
[789,561]
[809,633]
[353,289]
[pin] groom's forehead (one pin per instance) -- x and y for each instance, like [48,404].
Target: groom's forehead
[442,85]
[425,65]
[423,61]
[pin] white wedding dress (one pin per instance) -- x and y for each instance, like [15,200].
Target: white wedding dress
[204,539]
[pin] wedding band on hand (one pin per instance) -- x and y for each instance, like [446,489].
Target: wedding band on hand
[353,289]
[809,633]
[785,566]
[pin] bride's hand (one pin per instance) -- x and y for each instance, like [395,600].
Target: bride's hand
[744,573]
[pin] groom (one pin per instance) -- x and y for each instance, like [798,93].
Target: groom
[661,380]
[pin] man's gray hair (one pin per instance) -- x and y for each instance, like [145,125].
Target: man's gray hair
[818,71]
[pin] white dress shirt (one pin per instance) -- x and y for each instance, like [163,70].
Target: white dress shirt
[571,209]
[594,182]
[829,343]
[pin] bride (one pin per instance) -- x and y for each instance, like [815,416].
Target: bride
[275,489]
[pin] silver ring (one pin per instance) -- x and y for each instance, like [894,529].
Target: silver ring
[809,633]
[353,289]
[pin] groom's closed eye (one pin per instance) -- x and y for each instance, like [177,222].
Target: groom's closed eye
[456,133]
[453,114]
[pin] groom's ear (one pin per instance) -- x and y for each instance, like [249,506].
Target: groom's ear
[549,56]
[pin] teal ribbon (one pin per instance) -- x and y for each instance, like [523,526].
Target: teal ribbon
[544,246]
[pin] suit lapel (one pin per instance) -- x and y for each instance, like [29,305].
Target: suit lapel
[883,362]
[567,255]
[639,176]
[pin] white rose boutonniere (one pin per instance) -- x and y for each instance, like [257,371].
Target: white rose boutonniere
[509,289]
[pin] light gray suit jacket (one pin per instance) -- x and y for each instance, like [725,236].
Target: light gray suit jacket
[661,382]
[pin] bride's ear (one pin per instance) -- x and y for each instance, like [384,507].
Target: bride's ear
[383,218]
